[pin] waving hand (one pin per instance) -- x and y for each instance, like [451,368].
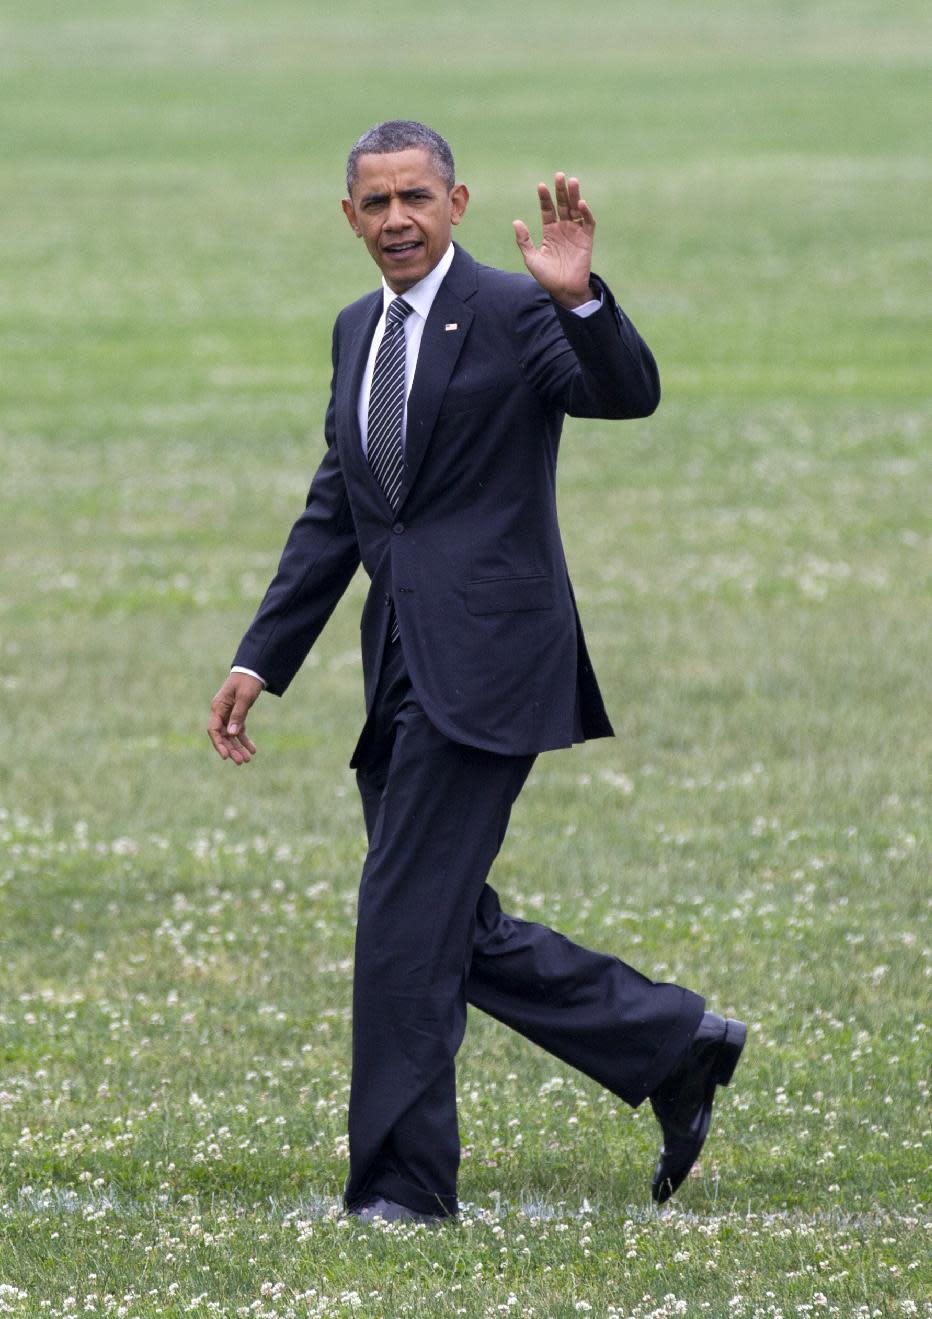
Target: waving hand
[562,264]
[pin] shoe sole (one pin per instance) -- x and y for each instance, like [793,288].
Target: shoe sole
[430,1220]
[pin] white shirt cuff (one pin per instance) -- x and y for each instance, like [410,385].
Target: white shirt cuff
[238,668]
[589,308]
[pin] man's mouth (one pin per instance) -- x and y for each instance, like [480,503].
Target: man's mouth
[399,249]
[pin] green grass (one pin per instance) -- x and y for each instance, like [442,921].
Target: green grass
[754,571]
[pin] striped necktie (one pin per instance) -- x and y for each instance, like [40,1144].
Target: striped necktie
[387,403]
[386,409]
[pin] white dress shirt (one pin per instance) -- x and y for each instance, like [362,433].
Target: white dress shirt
[420,298]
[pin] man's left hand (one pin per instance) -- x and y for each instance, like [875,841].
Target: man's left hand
[563,263]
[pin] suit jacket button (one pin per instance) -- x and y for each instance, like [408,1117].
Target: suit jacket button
[398,528]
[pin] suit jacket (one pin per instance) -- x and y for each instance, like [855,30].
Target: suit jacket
[472,555]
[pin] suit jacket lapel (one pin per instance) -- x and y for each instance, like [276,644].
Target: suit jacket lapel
[357,353]
[440,348]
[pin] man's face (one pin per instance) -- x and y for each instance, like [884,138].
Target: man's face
[404,212]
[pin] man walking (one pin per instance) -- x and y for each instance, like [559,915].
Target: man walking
[449,389]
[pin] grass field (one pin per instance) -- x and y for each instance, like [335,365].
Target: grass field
[754,570]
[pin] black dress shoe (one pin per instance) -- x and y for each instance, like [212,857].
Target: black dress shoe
[683,1101]
[390,1211]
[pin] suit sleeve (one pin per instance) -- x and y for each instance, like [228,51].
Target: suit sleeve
[594,366]
[317,564]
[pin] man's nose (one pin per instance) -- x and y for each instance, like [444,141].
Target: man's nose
[397,217]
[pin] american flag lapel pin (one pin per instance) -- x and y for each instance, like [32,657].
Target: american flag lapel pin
[452,325]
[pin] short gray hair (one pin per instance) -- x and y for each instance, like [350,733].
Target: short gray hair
[402,135]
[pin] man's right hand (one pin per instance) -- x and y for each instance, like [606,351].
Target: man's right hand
[226,727]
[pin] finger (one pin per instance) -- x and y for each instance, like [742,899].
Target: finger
[219,744]
[237,750]
[588,218]
[242,748]
[238,716]
[216,735]
[578,210]
[562,193]
[548,212]
[247,742]
[523,237]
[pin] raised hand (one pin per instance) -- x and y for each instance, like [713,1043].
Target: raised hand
[563,263]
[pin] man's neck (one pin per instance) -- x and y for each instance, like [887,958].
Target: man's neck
[422,294]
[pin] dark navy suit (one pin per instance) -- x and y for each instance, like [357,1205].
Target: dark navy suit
[491,668]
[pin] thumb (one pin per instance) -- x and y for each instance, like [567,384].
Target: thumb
[523,238]
[238,715]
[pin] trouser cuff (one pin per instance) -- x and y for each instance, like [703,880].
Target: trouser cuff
[670,1052]
[392,1187]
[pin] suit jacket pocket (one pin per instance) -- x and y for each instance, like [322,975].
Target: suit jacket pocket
[507,595]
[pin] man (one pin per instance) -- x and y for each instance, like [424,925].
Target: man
[449,389]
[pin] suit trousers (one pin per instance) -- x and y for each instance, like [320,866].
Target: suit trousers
[431,937]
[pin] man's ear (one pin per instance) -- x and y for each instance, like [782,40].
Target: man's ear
[349,211]
[459,200]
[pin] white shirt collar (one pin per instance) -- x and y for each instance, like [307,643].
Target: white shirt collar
[420,296]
